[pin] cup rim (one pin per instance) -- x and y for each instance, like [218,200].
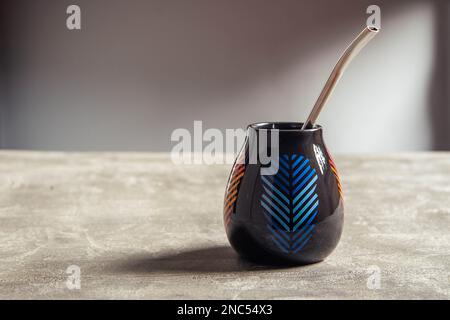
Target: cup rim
[284,126]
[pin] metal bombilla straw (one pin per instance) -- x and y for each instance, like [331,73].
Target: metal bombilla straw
[352,50]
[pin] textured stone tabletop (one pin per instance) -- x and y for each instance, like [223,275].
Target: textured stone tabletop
[140,227]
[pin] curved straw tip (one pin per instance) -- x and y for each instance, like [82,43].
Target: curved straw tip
[373,29]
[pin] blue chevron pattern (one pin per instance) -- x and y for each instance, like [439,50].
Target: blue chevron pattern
[290,203]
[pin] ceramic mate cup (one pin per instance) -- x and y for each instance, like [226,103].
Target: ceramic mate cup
[294,215]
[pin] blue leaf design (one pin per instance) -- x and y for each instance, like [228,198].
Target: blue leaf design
[290,203]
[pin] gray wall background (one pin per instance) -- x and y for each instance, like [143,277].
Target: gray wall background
[139,69]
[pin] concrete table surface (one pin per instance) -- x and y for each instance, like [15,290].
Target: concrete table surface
[139,226]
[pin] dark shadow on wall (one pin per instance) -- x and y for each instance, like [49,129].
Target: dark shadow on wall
[439,95]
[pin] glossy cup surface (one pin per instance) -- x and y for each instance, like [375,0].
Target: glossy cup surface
[292,216]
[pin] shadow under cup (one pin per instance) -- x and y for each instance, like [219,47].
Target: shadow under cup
[292,213]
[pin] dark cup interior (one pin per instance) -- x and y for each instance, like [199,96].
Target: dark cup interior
[283,126]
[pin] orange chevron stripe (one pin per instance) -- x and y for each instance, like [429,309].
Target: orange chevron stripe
[336,175]
[236,173]
[239,168]
[235,181]
[234,176]
[231,195]
[231,202]
[332,163]
[232,189]
[334,169]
